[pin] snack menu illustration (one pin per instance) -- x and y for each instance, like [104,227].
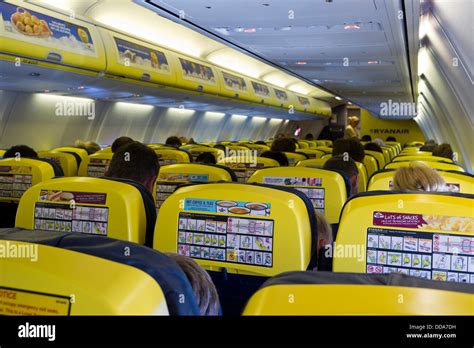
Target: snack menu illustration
[225,238]
[14,181]
[438,256]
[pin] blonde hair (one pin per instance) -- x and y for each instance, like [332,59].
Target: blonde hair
[324,229]
[418,177]
[90,146]
[204,289]
[353,119]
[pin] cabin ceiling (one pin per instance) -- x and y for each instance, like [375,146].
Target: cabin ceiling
[363,50]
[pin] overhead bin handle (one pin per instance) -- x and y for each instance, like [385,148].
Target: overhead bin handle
[200,88]
[54,57]
[146,77]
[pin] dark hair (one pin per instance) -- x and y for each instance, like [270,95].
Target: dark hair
[134,161]
[430,141]
[278,156]
[206,157]
[220,147]
[391,139]
[338,162]
[351,146]
[366,138]
[443,150]
[260,142]
[428,147]
[309,136]
[23,150]
[173,141]
[191,141]
[373,147]
[121,141]
[284,145]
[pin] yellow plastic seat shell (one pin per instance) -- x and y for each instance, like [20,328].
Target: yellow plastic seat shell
[66,161]
[431,164]
[349,299]
[99,286]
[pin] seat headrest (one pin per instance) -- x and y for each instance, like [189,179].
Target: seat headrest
[95,165]
[246,229]
[244,168]
[116,208]
[172,156]
[325,293]
[67,161]
[87,266]
[420,234]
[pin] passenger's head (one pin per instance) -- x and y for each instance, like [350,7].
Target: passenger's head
[278,156]
[431,141]
[353,121]
[137,162]
[443,150]
[391,139]
[284,145]
[260,142]
[379,142]
[173,141]
[373,147]
[220,147]
[191,141]
[350,146]
[206,158]
[309,136]
[90,146]
[324,231]
[183,140]
[204,289]
[366,138]
[119,142]
[20,151]
[346,165]
[428,147]
[418,177]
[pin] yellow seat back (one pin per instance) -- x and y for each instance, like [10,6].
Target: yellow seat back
[371,164]
[431,164]
[85,205]
[313,162]
[396,144]
[326,189]
[77,152]
[173,175]
[419,157]
[17,176]
[378,156]
[195,151]
[246,229]
[244,169]
[315,293]
[64,282]
[66,160]
[363,176]
[325,149]
[259,148]
[95,165]
[426,235]
[455,181]
[2,152]
[311,153]
[303,144]
[294,158]
[172,156]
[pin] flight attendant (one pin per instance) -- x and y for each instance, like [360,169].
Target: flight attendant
[351,130]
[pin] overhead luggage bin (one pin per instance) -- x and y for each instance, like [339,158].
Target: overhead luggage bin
[131,58]
[32,32]
[196,75]
[236,86]
[303,104]
[264,93]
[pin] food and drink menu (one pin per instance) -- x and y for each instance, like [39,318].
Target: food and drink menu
[244,171]
[233,239]
[14,181]
[311,187]
[438,256]
[97,167]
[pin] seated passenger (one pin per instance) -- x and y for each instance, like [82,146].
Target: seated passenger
[379,142]
[173,141]
[204,289]
[391,139]
[373,147]
[191,141]
[206,158]
[183,140]
[121,141]
[350,146]
[431,142]
[90,146]
[220,147]
[366,138]
[137,162]
[309,136]
[325,241]
[20,151]
[418,177]
[443,150]
[283,145]
[278,156]
[260,142]
[428,147]
[346,165]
